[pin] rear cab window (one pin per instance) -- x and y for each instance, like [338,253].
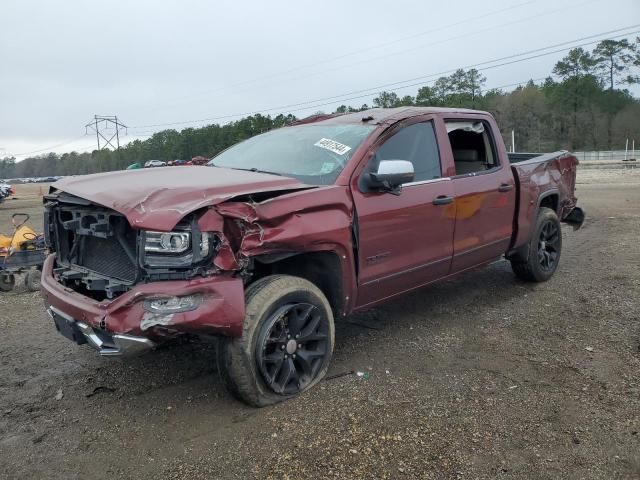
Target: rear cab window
[472,146]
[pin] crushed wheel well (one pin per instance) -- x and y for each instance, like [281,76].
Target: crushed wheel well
[323,269]
[550,201]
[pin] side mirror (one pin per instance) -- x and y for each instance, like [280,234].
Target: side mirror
[391,175]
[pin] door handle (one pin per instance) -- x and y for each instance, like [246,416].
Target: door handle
[505,187]
[442,200]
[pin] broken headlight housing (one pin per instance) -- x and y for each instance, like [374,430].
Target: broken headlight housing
[182,247]
[167,242]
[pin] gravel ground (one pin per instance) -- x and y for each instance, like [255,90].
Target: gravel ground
[478,377]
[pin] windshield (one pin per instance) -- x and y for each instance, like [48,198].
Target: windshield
[313,154]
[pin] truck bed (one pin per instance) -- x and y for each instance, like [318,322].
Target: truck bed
[533,157]
[537,177]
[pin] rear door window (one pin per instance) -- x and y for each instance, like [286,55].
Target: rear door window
[472,146]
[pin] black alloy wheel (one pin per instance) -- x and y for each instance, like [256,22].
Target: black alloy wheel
[292,346]
[548,245]
[538,260]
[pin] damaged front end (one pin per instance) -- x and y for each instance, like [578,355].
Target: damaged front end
[112,283]
[118,277]
[100,255]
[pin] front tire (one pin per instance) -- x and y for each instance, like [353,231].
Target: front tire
[286,344]
[545,247]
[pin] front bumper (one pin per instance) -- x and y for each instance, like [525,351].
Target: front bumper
[106,344]
[220,312]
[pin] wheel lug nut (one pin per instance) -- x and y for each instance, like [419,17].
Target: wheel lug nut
[288,336]
[297,335]
[286,356]
[294,355]
[282,347]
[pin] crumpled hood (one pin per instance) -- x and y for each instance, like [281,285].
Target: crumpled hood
[158,198]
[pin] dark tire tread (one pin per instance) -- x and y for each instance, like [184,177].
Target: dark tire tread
[528,269]
[235,357]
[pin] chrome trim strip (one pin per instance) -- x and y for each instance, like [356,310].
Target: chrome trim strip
[479,173]
[479,247]
[422,182]
[409,270]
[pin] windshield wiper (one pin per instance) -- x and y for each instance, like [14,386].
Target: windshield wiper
[252,169]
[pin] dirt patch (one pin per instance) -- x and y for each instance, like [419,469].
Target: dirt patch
[478,377]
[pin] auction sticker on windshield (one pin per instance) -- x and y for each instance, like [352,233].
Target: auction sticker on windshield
[333,146]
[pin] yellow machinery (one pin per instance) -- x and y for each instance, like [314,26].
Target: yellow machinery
[23,251]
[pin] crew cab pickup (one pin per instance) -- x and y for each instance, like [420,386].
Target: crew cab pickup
[288,231]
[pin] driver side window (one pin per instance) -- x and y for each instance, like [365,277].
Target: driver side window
[417,144]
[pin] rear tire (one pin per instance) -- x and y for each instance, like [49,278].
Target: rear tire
[545,247]
[32,279]
[286,344]
[7,282]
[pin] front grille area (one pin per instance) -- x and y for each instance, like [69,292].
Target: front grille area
[107,257]
[96,248]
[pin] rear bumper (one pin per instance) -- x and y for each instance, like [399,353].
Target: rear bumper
[575,218]
[220,309]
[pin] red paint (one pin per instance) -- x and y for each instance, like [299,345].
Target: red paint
[404,241]
[158,198]
[221,311]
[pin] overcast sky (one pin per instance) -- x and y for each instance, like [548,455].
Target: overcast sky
[159,62]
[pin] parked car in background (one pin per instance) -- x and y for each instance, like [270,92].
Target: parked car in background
[154,163]
[199,160]
[288,231]
[6,191]
[134,166]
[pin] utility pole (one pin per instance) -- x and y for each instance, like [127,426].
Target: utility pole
[626,149]
[100,124]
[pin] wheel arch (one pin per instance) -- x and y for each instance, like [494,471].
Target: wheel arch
[322,268]
[549,199]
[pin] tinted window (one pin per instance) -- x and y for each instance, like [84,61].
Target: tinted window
[416,143]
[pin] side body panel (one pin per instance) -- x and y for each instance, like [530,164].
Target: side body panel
[405,241]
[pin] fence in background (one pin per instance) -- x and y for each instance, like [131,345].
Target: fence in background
[613,155]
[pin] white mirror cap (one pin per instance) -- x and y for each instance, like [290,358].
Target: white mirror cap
[393,167]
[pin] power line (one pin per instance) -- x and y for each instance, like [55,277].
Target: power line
[499,87]
[369,48]
[432,44]
[339,98]
[44,149]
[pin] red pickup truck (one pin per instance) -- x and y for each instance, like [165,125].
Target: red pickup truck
[284,233]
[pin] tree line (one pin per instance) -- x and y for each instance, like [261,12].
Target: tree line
[584,105]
